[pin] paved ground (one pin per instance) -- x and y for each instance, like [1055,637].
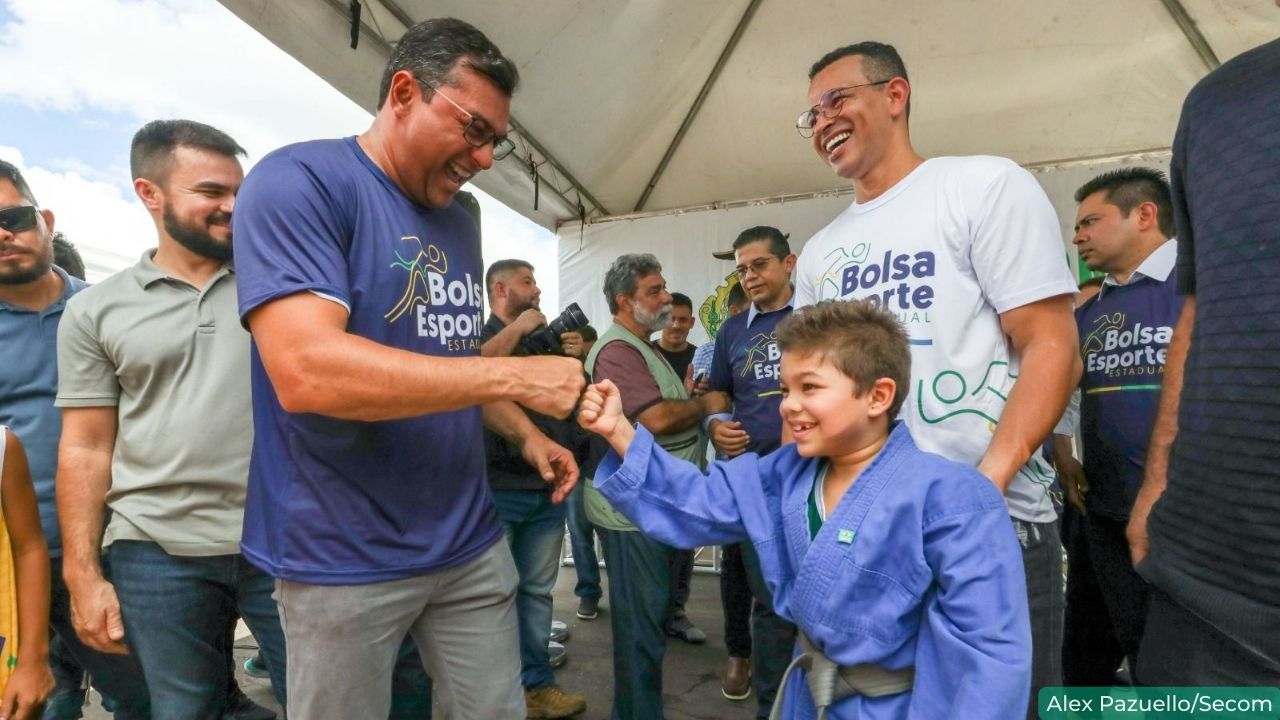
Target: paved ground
[691,677]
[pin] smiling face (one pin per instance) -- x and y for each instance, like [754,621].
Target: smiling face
[856,138]
[431,158]
[824,410]
[25,255]
[198,196]
[676,333]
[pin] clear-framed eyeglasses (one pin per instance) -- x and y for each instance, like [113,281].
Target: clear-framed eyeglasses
[829,104]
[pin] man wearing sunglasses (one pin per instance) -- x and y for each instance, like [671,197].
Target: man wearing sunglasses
[33,294]
[361,282]
[968,253]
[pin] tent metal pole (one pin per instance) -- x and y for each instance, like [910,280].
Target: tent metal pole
[397,13]
[387,46]
[743,22]
[559,167]
[1192,32]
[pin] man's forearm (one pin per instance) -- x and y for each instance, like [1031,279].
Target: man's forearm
[349,378]
[316,366]
[1050,370]
[508,420]
[1165,428]
[503,343]
[672,416]
[84,476]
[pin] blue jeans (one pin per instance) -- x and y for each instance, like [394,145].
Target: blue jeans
[117,676]
[582,539]
[639,593]
[177,611]
[534,527]
[1046,599]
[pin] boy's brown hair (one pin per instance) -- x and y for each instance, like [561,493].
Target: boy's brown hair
[862,341]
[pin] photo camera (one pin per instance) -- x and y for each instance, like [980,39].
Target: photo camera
[546,340]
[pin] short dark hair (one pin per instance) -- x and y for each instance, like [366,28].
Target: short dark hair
[682,300]
[432,49]
[66,256]
[501,267]
[589,334]
[151,154]
[624,274]
[778,244]
[10,172]
[880,62]
[737,296]
[1127,188]
[863,341]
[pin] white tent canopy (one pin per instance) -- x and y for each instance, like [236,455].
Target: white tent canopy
[669,124]
[649,105]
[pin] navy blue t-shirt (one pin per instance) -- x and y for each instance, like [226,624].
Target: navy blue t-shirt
[1124,339]
[745,365]
[334,501]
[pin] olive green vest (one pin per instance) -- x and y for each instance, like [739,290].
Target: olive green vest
[684,445]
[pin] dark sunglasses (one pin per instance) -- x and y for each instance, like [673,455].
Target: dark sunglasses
[18,219]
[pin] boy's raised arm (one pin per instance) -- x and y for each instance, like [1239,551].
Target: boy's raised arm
[668,499]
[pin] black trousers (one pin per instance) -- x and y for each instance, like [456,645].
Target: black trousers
[1090,651]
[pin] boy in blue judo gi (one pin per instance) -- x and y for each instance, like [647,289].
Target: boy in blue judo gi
[899,567]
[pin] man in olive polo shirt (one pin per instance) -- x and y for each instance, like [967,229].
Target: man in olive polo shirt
[157,427]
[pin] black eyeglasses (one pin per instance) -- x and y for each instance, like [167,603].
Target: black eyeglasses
[477,132]
[18,219]
[829,104]
[757,266]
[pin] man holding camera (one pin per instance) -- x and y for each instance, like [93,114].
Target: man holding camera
[533,524]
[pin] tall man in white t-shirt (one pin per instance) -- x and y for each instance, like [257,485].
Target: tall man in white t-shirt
[966,251]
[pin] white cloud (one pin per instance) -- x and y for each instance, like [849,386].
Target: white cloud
[168,58]
[150,59]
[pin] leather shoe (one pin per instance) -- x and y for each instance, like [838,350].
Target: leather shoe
[736,684]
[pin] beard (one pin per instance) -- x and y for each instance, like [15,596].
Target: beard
[523,305]
[196,237]
[19,275]
[652,322]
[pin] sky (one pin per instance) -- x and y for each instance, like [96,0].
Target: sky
[79,77]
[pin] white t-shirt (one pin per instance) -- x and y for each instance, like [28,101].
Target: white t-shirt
[950,247]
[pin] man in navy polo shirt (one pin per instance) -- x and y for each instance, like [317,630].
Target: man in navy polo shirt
[361,282]
[745,366]
[1122,228]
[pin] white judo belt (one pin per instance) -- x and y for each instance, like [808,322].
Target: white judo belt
[830,683]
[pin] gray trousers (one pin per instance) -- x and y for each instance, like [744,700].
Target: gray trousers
[343,640]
